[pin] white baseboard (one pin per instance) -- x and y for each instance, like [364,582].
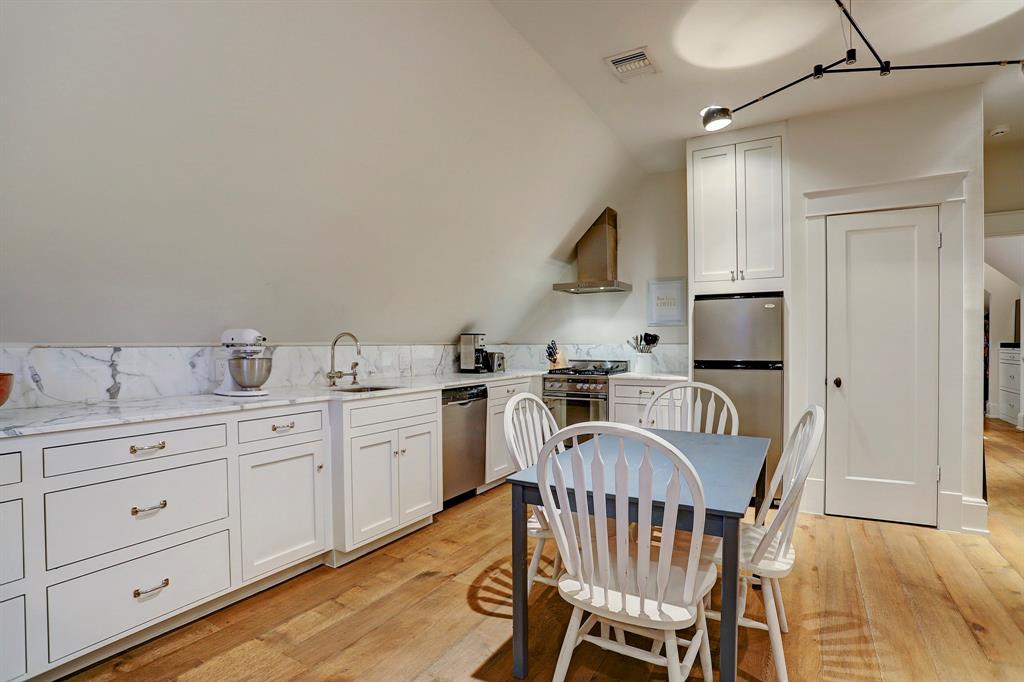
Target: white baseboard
[813,501]
[975,516]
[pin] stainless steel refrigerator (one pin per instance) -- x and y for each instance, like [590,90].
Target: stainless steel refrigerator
[738,346]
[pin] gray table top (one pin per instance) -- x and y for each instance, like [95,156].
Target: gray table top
[728,467]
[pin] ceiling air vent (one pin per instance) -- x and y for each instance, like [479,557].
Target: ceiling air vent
[631,63]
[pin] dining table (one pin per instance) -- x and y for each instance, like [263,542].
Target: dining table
[728,467]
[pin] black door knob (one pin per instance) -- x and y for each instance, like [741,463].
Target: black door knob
[838,382]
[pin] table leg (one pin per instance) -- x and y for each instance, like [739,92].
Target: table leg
[520,623]
[729,633]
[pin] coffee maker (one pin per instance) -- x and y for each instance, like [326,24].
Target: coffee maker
[472,356]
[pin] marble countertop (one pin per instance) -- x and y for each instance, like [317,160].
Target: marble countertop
[36,420]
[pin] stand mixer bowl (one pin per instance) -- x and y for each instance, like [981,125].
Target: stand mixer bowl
[250,373]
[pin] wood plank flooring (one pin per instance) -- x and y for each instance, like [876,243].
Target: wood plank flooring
[867,601]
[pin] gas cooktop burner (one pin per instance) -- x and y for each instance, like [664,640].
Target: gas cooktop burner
[592,368]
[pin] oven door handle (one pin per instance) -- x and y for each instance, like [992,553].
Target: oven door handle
[589,399]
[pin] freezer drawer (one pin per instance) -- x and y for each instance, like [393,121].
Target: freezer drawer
[757,394]
[738,328]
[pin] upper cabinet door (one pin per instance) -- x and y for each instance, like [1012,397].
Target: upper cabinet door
[759,234]
[418,469]
[714,214]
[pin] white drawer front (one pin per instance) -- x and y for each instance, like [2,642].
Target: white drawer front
[1009,376]
[276,427]
[1009,404]
[94,519]
[10,468]
[507,391]
[640,392]
[375,414]
[13,661]
[101,605]
[1009,355]
[65,459]
[12,542]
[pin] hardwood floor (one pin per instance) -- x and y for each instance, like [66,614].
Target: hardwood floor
[867,601]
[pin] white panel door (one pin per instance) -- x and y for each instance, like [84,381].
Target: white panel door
[498,458]
[759,240]
[282,506]
[883,365]
[417,471]
[714,214]
[374,490]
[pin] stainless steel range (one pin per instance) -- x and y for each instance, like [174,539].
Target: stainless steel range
[579,392]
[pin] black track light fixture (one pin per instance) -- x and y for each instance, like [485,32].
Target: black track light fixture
[717,117]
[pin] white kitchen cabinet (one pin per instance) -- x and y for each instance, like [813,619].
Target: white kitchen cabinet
[13,662]
[417,471]
[759,239]
[714,214]
[629,398]
[1009,384]
[499,459]
[394,472]
[282,493]
[374,496]
[12,541]
[737,215]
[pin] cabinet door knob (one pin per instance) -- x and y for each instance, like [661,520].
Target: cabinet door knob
[403,451]
[319,467]
[838,382]
[395,453]
[732,275]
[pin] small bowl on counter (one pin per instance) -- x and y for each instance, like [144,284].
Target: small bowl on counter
[6,386]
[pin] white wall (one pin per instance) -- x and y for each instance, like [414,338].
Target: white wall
[898,140]
[1004,177]
[652,244]
[1003,293]
[402,169]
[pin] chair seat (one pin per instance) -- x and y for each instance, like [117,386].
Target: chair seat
[750,537]
[625,606]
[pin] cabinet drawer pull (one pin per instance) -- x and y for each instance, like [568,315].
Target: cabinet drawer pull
[142,510]
[143,449]
[283,427]
[163,583]
[643,392]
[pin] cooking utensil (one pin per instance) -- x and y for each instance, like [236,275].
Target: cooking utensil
[6,386]
[250,373]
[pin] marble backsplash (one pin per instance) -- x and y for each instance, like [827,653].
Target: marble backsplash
[52,376]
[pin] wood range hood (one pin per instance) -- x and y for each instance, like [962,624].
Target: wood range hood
[597,254]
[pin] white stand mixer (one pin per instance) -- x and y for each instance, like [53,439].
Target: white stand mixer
[243,344]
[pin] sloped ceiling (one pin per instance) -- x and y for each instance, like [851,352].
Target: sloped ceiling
[729,52]
[403,170]
[1006,254]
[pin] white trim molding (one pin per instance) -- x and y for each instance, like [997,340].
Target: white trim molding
[959,457]
[1003,223]
[975,515]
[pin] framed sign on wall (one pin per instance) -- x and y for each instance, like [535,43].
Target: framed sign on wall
[666,302]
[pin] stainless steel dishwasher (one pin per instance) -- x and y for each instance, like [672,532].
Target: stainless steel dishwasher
[463,439]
